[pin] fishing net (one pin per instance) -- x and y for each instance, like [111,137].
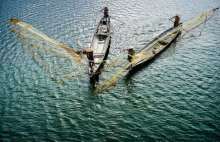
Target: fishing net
[122,67]
[110,79]
[192,29]
[189,30]
[60,61]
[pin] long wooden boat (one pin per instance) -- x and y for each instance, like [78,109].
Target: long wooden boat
[152,49]
[100,45]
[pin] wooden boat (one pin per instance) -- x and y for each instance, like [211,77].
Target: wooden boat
[153,48]
[100,45]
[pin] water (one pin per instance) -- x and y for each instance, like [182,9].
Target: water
[173,99]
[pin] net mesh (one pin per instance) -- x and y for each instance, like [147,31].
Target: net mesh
[189,30]
[110,80]
[60,61]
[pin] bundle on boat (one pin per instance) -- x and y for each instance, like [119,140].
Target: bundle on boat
[185,32]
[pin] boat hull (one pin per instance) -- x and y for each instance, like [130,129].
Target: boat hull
[100,44]
[156,47]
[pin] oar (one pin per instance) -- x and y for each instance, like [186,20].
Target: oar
[170,20]
[117,20]
[114,18]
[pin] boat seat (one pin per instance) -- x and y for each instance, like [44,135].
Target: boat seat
[101,42]
[98,56]
[102,37]
[162,42]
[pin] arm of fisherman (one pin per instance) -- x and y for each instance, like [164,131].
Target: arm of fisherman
[171,17]
[81,52]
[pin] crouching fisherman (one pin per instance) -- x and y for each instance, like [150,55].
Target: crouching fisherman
[131,53]
[89,53]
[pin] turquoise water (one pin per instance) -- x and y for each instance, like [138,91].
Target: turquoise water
[173,99]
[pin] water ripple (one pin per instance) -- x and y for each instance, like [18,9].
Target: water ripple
[174,98]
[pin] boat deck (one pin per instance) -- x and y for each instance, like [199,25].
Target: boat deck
[100,42]
[155,47]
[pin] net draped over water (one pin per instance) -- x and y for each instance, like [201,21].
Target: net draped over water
[60,61]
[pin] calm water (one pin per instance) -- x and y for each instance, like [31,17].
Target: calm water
[173,99]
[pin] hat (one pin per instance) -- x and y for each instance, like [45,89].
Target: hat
[176,14]
[131,47]
[89,50]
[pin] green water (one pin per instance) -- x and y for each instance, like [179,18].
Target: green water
[172,99]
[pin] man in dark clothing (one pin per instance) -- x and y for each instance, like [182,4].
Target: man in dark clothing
[177,19]
[105,12]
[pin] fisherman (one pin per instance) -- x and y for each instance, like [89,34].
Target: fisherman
[105,12]
[177,19]
[90,57]
[89,53]
[131,53]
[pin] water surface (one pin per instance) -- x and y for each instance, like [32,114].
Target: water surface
[173,99]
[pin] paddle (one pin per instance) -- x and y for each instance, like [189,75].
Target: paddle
[171,20]
[114,18]
[117,20]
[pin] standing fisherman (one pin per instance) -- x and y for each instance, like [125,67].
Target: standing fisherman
[105,12]
[177,19]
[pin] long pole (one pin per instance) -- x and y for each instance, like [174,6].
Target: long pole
[115,19]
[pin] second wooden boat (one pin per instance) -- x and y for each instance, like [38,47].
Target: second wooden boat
[152,49]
